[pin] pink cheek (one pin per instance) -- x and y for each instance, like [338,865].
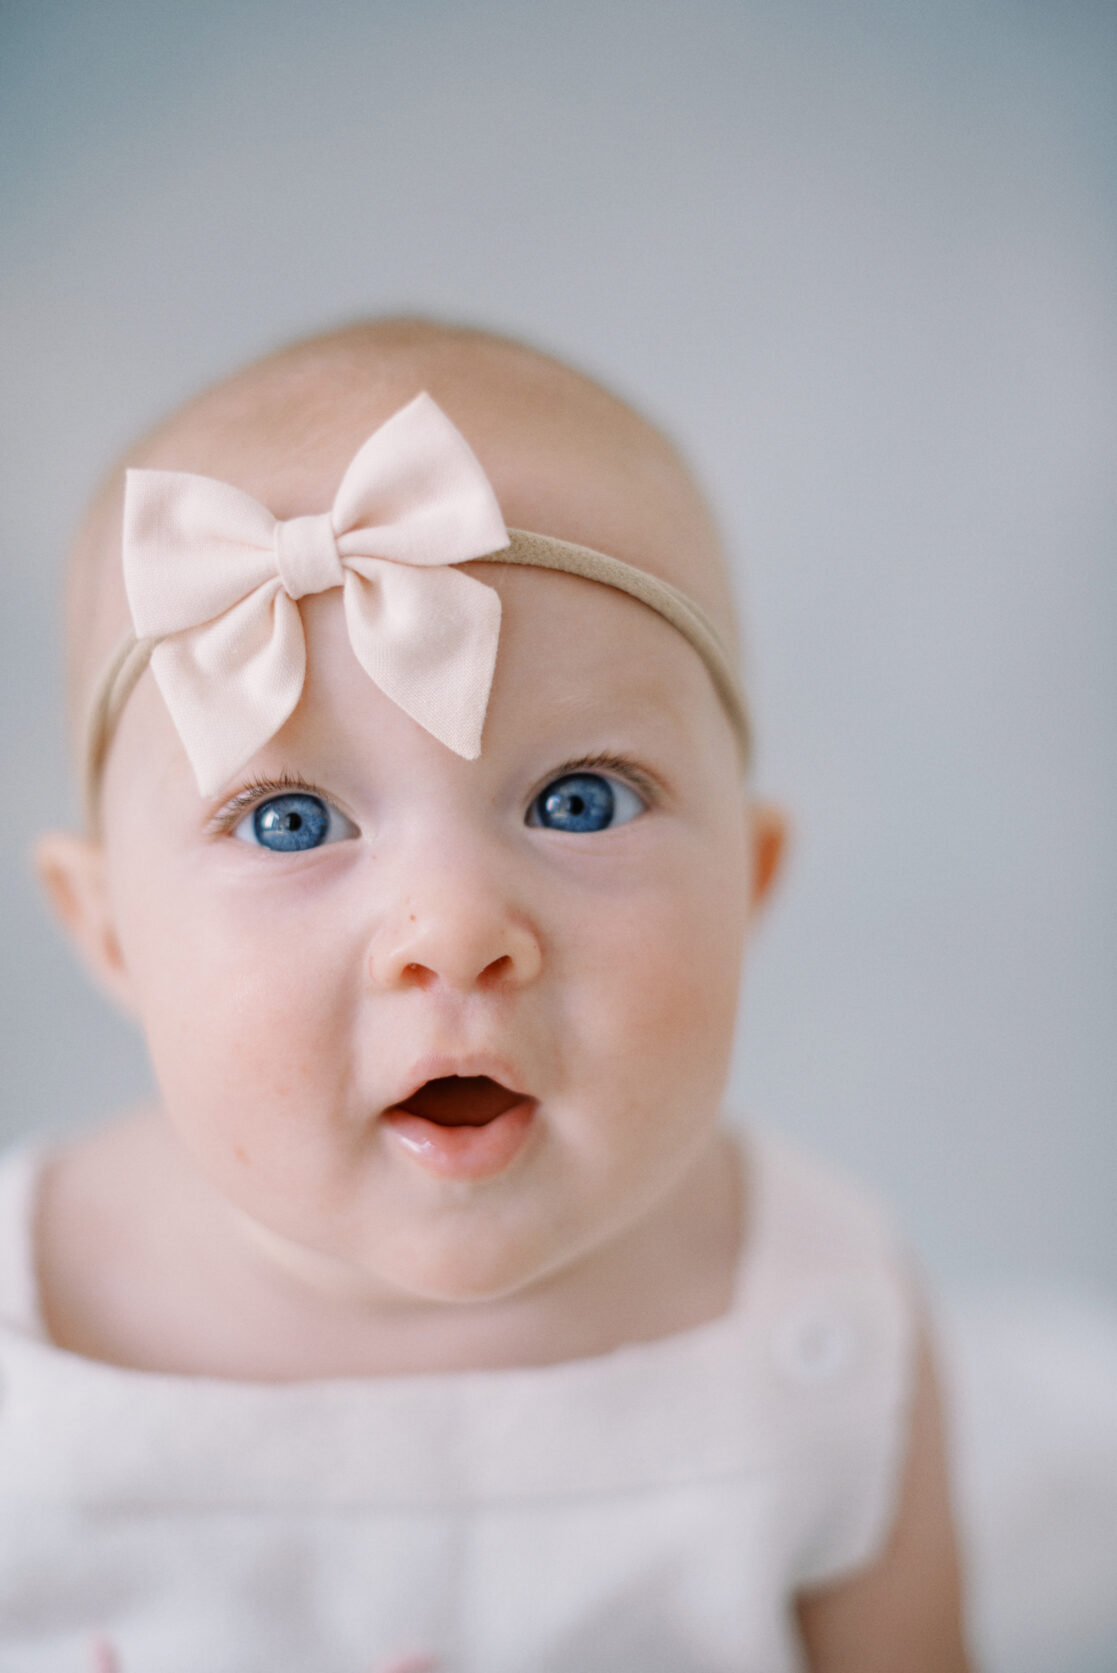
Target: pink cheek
[242,1037]
[680,1006]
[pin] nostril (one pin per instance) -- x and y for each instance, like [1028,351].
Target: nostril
[463,945]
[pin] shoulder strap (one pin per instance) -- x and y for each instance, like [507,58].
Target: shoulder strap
[829,1288]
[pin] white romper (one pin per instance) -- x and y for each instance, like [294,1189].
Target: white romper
[651,1510]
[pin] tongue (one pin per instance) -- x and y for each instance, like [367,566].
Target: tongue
[461,1101]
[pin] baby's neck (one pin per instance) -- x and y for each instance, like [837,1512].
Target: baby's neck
[142,1264]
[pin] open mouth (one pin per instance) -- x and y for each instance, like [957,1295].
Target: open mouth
[460,1101]
[462,1126]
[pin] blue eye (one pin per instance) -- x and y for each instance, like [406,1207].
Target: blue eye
[584,802]
[293,823]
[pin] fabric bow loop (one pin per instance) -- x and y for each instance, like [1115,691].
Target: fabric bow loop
[215,578]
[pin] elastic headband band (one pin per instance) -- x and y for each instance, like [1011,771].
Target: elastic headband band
[541,551]
[213,582]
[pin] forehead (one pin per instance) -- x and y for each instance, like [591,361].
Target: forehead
[579,667]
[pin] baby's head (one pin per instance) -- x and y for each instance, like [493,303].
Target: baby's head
[448,1023]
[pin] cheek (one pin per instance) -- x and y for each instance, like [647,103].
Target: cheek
[661,1002]
[242,1012]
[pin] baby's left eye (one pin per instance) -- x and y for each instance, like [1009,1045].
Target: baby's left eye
[294,822]
[584,802]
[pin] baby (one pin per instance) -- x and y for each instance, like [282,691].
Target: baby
[431,1312]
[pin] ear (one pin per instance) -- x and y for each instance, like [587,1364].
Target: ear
[768,841]
[71,870]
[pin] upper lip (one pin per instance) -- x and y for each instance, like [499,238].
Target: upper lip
[439,1066]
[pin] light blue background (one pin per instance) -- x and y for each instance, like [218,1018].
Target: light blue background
[861,259]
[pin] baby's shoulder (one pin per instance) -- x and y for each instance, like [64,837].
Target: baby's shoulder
[827,1288]
[65,1212]
[807,1214]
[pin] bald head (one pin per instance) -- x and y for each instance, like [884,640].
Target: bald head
[565,457]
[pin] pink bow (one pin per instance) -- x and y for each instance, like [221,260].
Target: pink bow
[213,576]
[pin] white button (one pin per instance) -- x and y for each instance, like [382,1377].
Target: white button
[812,1345]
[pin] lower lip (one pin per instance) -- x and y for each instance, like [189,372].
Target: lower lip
[463,1152]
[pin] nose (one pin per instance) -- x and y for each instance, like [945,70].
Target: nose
[455,929]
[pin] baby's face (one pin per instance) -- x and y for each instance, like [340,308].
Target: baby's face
[450,1023]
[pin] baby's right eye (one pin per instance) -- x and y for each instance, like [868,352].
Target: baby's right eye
[293,823]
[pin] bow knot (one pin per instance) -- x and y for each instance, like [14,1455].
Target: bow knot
[306,555]
[215,578]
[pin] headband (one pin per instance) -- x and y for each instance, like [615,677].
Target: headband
[213,581]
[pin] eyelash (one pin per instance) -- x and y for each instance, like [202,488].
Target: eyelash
[637,777]
[260,790]
[227,818]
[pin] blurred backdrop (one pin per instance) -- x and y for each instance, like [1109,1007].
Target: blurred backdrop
[861,260]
